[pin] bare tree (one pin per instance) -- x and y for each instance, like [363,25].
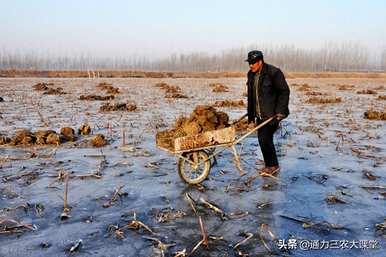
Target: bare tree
[331,56]
[383,60]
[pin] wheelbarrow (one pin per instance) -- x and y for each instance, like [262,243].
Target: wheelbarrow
[194,160]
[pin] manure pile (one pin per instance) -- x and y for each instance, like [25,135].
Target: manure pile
[203,118]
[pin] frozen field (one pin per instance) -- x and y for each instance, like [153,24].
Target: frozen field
[332,184]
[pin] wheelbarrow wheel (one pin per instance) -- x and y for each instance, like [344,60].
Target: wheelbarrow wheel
[196,169]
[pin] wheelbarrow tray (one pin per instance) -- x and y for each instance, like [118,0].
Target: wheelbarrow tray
[191,142]
[192,151]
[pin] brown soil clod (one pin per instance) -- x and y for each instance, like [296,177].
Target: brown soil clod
[243,125]
[128,107]
[84,129]
[381,97]
[108,88]
[323,100]
[53,139]
[4,140]
[161,85]
[304,87]
[315,93]
[219,88]
[367,92]
[229,103]
[42,86]
[175,95]
[171,91]
[96,97]
[23,137]
[168,88]
[54,91]
[68,133]
[43,133]
[98,140]
[113,90]
[48,90]
[345,87]
[103,85]
[375,115]
[206,118]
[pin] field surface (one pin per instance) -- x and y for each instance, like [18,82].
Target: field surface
[331,188]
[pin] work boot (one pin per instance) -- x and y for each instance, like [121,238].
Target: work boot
[269,171]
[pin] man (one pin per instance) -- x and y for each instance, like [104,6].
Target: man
[268,96]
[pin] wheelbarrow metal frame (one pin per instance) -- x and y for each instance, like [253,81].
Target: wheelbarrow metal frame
[223,147]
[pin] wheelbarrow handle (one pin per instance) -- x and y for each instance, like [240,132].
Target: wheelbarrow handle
[246,115]
[255,128]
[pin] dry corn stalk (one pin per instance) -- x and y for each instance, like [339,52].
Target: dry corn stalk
[66,208]
[204,236]
[214,208]
[117,193]
[247,236]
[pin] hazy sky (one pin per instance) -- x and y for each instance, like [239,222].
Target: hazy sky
[158,28]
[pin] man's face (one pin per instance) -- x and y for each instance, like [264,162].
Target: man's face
[254,67]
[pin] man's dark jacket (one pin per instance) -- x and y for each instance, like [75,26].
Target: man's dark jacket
[273,93]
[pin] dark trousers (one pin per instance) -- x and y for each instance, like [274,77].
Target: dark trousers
[265,135]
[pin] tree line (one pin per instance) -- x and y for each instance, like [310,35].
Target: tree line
[328,57]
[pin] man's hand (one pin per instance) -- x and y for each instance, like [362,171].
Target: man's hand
[280,116]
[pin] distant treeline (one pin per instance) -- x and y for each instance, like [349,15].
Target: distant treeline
[329,57]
